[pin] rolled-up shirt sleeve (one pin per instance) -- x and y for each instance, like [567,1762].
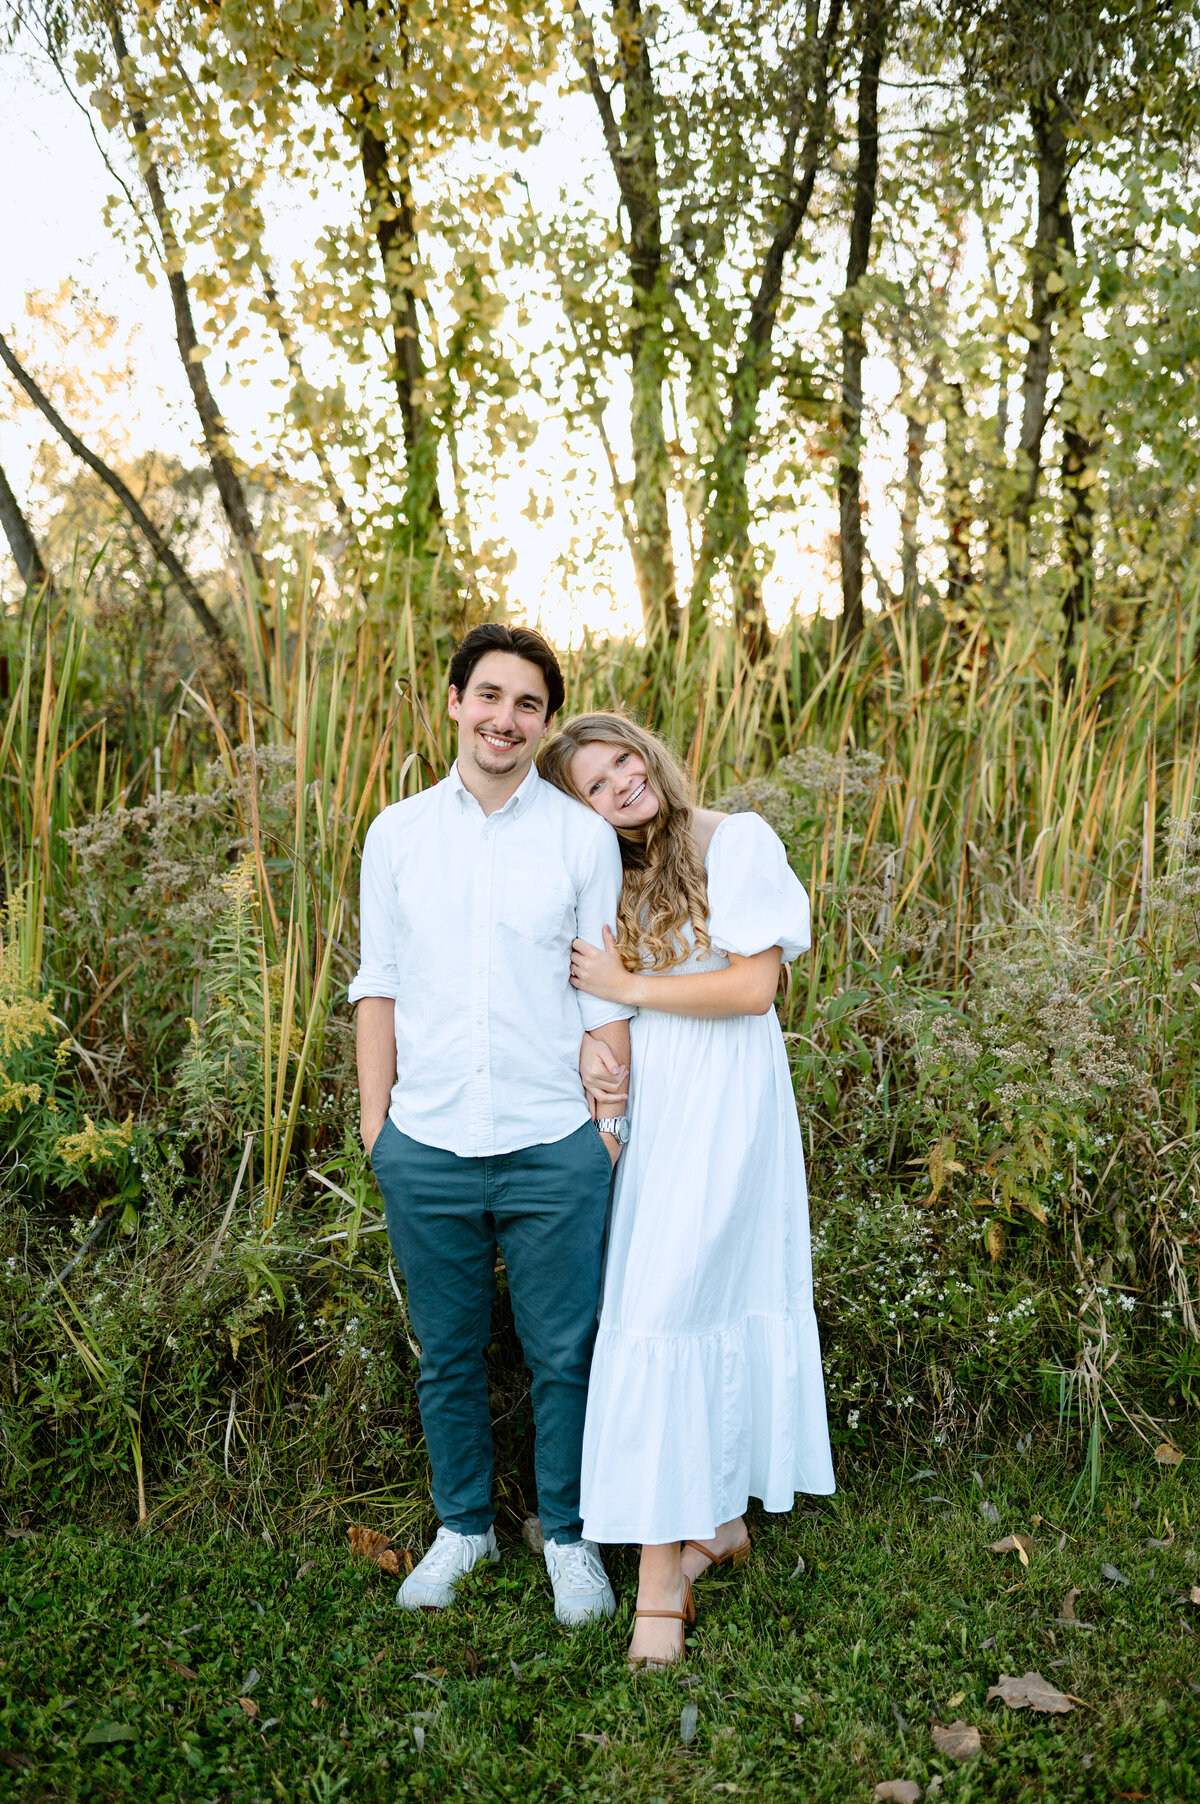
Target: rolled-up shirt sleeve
[378,974]
[597,895]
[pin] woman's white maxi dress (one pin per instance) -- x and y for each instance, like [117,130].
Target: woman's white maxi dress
[706,1385]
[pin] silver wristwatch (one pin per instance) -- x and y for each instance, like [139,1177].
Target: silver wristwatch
[616,1125]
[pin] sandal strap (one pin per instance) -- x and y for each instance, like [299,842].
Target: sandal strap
[675,1615]
[740,1552]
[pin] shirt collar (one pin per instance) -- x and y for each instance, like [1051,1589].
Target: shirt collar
[518,803]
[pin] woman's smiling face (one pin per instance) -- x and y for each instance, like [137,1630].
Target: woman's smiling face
[612,779]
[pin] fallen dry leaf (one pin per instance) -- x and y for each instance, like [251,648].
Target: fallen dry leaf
[1067,1613]
[957,1740]
[1194,1595]
[249,1706]
[600,1741]
[1021,1545]
[318,1702]
[531,1533]
[688,1718]
[1166,1455]
[1111,1573]
[898,1791]
[1030,1692]
[369,1544]
[185,1672]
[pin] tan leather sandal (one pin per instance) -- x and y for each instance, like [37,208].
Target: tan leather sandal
[733,1556]
[686,1616]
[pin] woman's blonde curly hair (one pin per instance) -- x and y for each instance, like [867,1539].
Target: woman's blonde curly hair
[665,885]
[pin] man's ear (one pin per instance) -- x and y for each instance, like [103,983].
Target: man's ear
[453,703]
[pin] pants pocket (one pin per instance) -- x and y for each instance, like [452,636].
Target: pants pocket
[377,1143]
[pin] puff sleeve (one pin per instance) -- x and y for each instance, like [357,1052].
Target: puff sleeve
[755,899]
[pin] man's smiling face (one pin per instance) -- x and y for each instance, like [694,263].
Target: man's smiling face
[501,715]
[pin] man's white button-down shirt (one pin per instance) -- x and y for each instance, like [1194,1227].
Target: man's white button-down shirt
[467,922]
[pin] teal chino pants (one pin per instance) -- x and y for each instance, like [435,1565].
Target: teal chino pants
[545,1207]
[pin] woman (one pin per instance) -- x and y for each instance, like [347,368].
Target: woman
[706,1385]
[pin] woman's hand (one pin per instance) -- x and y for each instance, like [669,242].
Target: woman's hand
[600,973]
[605,1080]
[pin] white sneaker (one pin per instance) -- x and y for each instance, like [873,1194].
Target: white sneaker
[430,1585]
[582,1592]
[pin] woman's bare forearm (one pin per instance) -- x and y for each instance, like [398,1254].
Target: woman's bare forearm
[746,987]
[375,1044]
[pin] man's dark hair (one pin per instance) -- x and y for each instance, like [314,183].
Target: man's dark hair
[522,642]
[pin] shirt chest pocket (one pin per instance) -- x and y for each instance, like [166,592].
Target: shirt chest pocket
[536,906]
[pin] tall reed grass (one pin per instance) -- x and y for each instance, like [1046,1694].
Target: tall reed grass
[943,793]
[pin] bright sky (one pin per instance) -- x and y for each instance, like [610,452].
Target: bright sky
[52,211]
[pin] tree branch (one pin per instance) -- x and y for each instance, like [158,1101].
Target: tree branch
[212,426]
[133,508]
[727,517]
[24,547]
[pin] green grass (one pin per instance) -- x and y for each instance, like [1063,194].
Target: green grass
[899,1608]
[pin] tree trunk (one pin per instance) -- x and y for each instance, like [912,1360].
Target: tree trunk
[392,220]
[1055,233]
[727,516]
[916,421]
[21,542]
[633,153]
[1079,524]
[134,509]
[850,531]
[956,495]
[212,425]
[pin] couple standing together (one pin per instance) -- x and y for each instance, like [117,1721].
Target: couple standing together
[539,950]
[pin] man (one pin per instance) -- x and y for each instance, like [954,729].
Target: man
[472,1108]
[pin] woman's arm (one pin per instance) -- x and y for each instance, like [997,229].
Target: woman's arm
[747,987]
[605,1078]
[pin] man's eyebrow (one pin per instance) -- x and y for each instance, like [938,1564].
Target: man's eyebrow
[529,696]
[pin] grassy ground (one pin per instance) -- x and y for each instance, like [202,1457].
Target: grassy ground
[812,1682]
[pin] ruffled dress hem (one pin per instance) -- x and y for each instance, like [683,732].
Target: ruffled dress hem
[717,1418]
